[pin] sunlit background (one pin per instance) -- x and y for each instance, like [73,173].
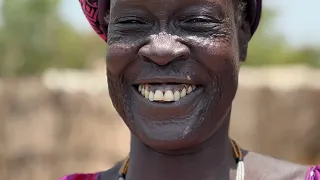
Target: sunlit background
[56,117]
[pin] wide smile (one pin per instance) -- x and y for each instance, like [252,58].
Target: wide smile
[165,92]
[168,93]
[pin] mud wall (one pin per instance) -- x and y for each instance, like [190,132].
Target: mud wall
[64,121]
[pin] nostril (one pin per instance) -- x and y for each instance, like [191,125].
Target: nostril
[182,57]
[145,58]
[163,59]
[144,53]
[183,52]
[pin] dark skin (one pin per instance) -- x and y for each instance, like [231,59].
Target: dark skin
[198,42]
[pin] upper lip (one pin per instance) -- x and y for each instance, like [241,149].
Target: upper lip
[163,80]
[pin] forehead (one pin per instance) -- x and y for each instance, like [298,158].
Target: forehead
[170,5]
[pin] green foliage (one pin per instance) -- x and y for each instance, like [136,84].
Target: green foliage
[270,48]
[33,38]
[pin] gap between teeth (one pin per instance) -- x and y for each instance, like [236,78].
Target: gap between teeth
[166,96]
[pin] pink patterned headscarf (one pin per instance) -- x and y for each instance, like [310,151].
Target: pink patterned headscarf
[94,10]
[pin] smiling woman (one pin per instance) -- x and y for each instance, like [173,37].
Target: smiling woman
[173,74]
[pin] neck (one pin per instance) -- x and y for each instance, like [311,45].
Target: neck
[214,160]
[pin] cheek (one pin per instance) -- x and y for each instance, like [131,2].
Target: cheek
[116,92]
[219,57]
[221,60]
[119,57]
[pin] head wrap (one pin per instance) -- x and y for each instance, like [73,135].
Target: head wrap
[94,11]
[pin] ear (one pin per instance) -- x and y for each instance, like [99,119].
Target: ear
[104,14]
[244,36]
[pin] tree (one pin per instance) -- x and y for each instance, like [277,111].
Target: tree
[33,38]
[271,48]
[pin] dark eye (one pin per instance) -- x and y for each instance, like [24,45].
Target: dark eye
[129,21]
[126,25]
[199,24]
[199,20]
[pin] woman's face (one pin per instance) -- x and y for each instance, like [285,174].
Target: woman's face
[173,67]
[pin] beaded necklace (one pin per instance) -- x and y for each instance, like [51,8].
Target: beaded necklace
[236,153]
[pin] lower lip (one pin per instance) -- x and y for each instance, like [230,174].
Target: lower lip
[187,100]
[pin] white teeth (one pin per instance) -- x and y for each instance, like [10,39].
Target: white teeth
[142,91]
[183,92]
[146,91]
[176,96]
[146,94]
[167,96]
[151,96]
[189,90]
[158,96]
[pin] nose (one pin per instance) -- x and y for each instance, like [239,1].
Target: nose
[164,48]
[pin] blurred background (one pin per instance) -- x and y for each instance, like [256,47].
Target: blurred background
[56,116]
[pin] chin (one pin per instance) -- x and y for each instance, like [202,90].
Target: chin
[169,114]
[173,123]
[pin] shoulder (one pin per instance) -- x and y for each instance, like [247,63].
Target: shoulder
[110,174]
[265,167]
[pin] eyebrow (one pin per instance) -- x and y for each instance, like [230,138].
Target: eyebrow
[205,6]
